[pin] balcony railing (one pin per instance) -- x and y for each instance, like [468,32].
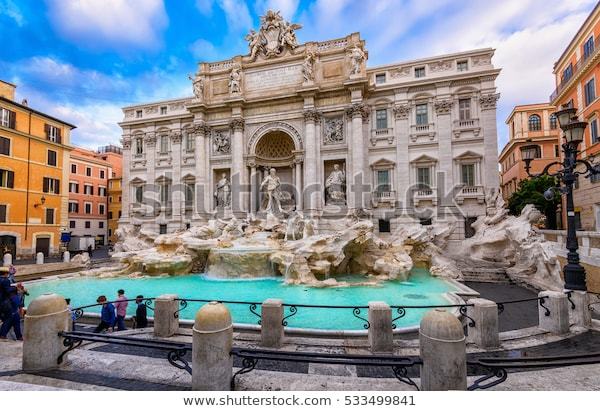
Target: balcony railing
[381,132]
[576,69]
[471,192]
[422,128]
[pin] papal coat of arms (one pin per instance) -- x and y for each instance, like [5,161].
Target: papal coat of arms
[274,35]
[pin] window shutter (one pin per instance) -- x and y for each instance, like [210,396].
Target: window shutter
[12,119]
[59,136]
[47,131]
[10,179]
[45,189]
[3,213]
[57,186]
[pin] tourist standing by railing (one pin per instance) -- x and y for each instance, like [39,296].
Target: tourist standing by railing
[141,312]
[107,315]
[121,306]
[13,319]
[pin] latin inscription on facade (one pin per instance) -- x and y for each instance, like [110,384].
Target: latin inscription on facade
[277,77]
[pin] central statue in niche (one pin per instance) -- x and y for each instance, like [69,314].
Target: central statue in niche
[272,187]
[335,187]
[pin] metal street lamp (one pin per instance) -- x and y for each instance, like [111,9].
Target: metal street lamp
[573,130]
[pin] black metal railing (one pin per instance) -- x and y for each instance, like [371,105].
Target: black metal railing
[78,312]
[541,302]
[252,306]
[356,311]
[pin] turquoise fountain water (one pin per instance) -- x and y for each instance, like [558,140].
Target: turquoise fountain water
[421,289]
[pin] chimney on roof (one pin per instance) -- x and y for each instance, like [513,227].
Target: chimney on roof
[7,90]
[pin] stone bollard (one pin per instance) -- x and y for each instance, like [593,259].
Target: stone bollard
[7,259]
[581,315]
[381,337]
[166,316]
[443,351]
[271,328]
[46,316]
[557,321]
[212,363]
[66,257]
[39,258]
[485,332]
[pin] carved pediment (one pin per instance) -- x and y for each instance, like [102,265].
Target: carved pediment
[274,36]
[424,159]
[468,155]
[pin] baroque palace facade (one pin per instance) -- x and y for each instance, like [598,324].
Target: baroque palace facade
[406,142]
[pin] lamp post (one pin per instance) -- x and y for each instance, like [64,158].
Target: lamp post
[573,136]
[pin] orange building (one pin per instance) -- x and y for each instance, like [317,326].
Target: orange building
[577,73]
[34,158]
[114,207]
[89,176]
[530,124]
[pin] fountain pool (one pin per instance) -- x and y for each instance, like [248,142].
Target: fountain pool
[421,289]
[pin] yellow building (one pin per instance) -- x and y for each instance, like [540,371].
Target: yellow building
[114,207]
[34,158]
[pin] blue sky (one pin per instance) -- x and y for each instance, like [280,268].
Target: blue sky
[82,60]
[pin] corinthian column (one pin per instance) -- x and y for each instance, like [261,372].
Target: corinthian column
[202,192]
[401,130]
[239,181]
[359,113]
[487,103]
[311,185]
[176,166]
[443,108]
[125,186]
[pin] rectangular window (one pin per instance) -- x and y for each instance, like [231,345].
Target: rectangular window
[590,92]
[588,47]
[101,209]
[88,171]
[425,221]
[7,118]
[164,193]
[88,208]
[139,145]
[74,188]
[422,117]
[380,78]
[594,130]
[102,191]
[52,158]
[468,174]
[52,133]
[138,114]
[190,190]
[101,173]
[88,224]
[73,207]
[462,65]
[419,72]
[189,142]
[110,215]
[567,73]
[88,190]
[384,226]
[464,109]
[423,177]
[49,216]
[100,224]
[51,185]
[3,213]
[383,181]
[139,194]
[73,168]
[5,146]
[163,110]
[72,224]
[556,152]
[162,229]
[381,119]
[164,144]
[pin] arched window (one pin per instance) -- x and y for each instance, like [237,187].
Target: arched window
[553,122]
[535,123]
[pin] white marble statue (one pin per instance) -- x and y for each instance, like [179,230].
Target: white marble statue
[223,192]
[198,86]
[272,187]
[235,81]
[221,143]
[255,41]
[357,56]
[274,36]
[334,186]
[307,68]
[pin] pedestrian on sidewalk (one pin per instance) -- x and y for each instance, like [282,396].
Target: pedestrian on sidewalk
[12,272]
[89,250]
[107,315]
[6,289]
[121,306]
[141,313]
[14,319]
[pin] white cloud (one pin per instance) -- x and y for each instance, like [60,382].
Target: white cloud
[205,7]
[109,23]
[237,15]
[204,50]
[10,9]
